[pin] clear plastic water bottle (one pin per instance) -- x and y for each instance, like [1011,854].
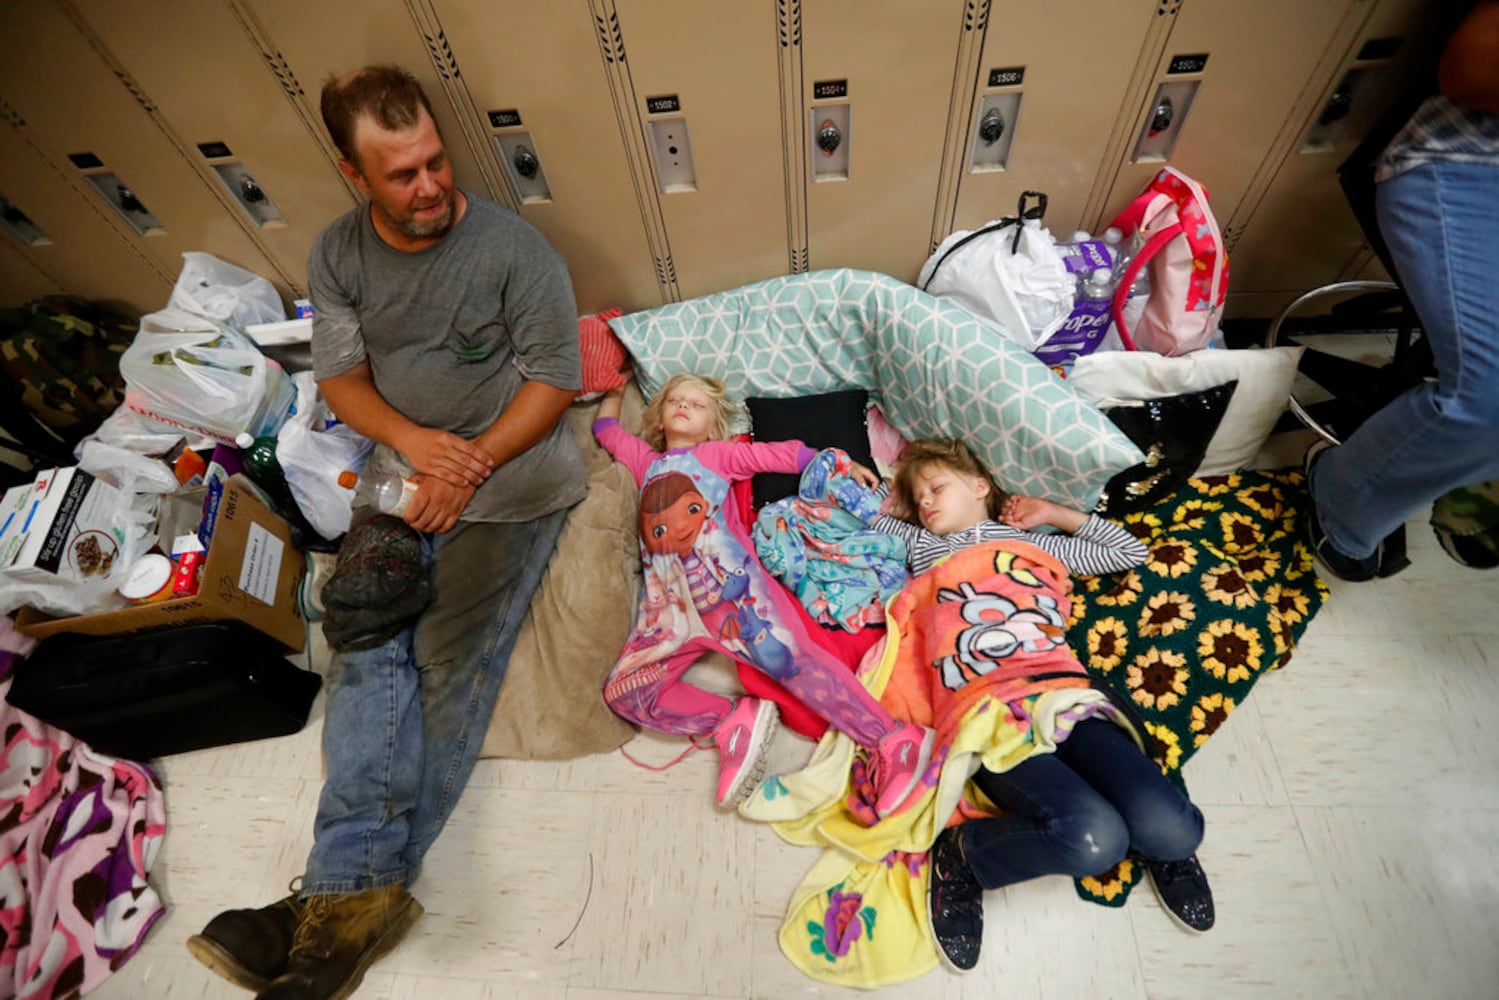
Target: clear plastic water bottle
[1113,238]
[1087,324]
[392,494]
[1125,252]
[1099,287]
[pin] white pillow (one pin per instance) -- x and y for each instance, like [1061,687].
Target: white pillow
[1264,374]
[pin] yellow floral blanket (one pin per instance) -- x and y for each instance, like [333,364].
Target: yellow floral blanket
[976,649]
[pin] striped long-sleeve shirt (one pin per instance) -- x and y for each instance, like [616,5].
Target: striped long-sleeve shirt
[1099,546]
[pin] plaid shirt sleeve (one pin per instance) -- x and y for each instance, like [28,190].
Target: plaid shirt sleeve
[1441,130]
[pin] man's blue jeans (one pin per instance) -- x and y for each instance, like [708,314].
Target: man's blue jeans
[1078,811]
[1441,222]
[405,719]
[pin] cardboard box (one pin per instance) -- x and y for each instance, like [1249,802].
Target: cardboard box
[252,575]
[68,529]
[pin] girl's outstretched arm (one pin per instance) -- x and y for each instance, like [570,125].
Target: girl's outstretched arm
[609,406]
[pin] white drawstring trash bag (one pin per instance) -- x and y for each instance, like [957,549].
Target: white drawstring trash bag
[1007,271]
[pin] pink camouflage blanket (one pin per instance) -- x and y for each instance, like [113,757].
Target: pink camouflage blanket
[78,834]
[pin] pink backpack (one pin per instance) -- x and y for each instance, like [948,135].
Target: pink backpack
[1188,266]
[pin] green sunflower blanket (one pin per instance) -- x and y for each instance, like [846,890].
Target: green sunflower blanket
[1225,595]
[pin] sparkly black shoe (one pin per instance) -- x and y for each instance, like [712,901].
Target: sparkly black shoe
[1182,887]
[955,903]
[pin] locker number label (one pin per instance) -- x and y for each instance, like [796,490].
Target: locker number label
[823,89]
[1188,64]
[662,105]
[1011,76]
[508,118]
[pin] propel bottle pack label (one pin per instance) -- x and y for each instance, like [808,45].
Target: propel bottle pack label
[1086,257]
[1080,334]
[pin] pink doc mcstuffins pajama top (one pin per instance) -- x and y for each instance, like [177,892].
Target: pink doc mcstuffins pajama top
[705,590]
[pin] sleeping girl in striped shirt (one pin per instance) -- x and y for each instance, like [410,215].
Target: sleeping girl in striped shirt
[955,503]
[1097,797]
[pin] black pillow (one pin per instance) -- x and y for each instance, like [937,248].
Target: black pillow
[830,420]
[1174,433]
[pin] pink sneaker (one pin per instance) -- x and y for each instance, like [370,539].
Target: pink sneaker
[742,738]
[900,759]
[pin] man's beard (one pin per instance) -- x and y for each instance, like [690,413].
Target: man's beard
[413,228]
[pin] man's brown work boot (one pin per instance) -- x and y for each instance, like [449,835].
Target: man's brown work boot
[339,938]
[249,947]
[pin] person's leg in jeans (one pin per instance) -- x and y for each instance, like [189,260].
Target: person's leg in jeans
[1078,811]
[1439,220]
[1163,823]
[372,751]
[484,576]
[1054,823]
[405,720]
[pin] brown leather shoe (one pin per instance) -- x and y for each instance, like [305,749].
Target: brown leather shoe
[338,939]
[249,947]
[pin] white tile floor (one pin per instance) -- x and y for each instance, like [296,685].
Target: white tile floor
[1352,804]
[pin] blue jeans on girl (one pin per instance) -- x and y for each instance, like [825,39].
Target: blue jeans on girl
[1078,811]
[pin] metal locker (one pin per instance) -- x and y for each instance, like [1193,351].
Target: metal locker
[887,66]
[1220,95]
[1064,86]
[90,123]
[554,140]
[252,145]
[20,281]
[1302,233]
[85,251]
[707,94]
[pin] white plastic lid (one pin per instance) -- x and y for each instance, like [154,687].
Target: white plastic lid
[1101,276]
[1113,235]
[148,575]
[1081,236]
[244,439]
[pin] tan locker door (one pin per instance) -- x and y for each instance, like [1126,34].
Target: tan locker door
[1260,58]
[1303,233]
[719,60]
[592,219]
[20,281]
[73,103]
[898,58]
[1069,105]
[87,253]
[316,39]
[218,89]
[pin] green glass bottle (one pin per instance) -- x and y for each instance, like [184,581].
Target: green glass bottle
[264,470]
[259,455]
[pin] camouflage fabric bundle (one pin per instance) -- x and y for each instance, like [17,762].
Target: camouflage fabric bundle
[1467,524]
[60,356]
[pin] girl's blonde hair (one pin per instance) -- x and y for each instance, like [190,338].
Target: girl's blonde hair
[953,455]
[726,410]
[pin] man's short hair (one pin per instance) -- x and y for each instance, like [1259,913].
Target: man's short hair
[388,94]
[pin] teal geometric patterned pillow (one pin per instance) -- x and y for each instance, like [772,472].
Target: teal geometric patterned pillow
[934,368]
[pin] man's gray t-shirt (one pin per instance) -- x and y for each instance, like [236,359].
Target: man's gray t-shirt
[451,332]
